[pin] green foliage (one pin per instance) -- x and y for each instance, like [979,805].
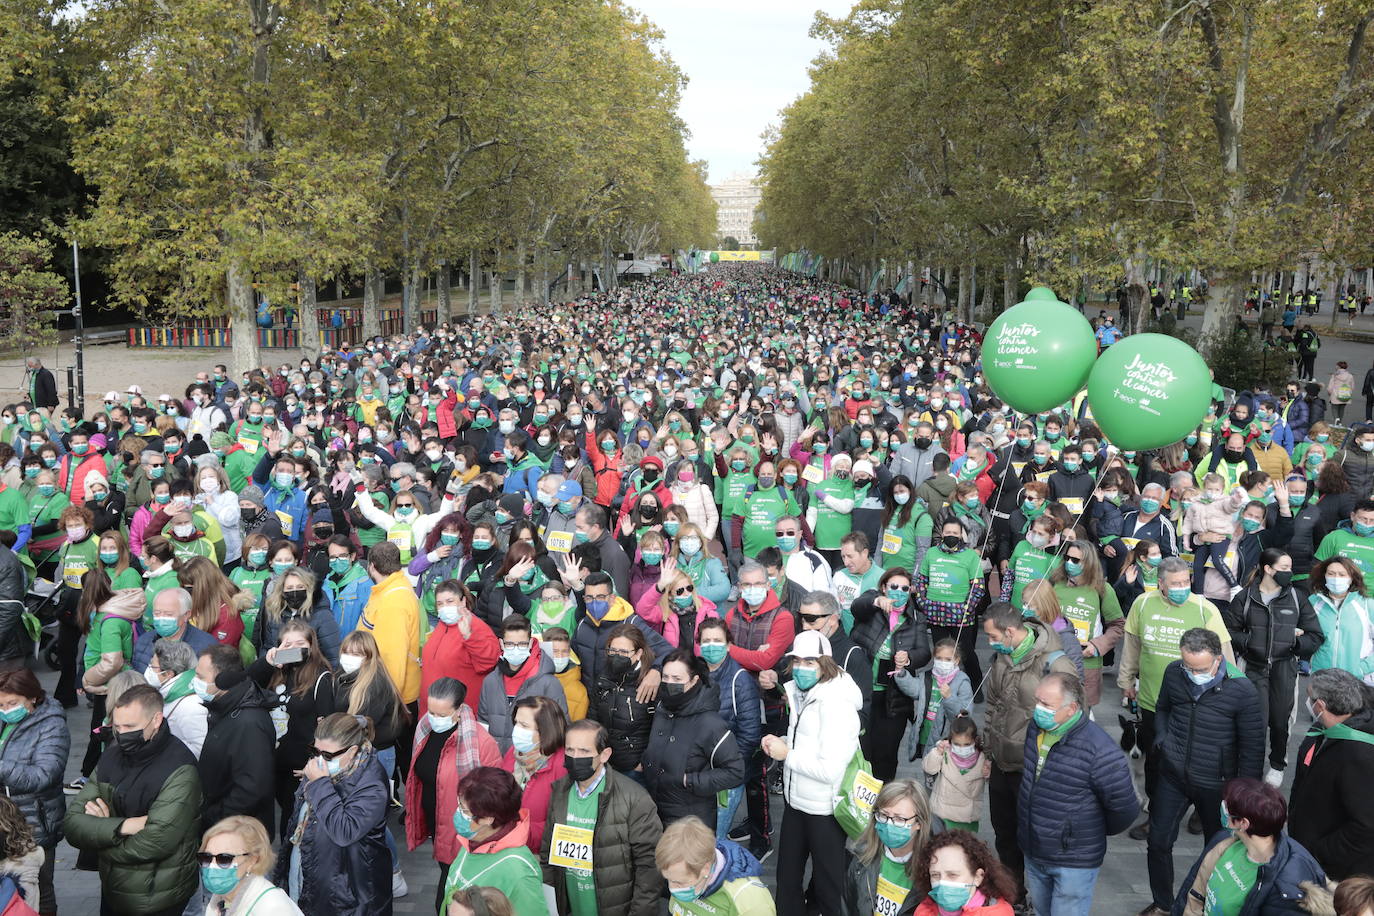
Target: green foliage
[29,292]
[1240,360]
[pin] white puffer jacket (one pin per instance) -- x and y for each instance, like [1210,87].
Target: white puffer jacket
[823,735]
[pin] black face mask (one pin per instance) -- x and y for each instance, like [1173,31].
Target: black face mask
[294,597]
[952,541]
[580,769]
[248,514]
[1283,579]
[1234,456]
[923,442]
[617,666]
[650,475]
[673,696]
[130,742]
[324,532]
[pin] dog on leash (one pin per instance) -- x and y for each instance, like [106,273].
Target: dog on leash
[1130,744]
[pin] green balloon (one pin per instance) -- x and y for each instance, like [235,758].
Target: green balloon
[715,256]
[1149,390]
[1038,353]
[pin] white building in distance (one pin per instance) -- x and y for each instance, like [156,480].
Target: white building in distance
[736,200]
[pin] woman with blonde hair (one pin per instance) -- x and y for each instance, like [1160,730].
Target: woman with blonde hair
[706,572]
[336,860]
[898,826]
[295,594]
[215,602]
[235,857]
[1039,602]
[20,857]
[364,688]
[706,875]
[215,496]
[117,562]
[674,607]
[1091,608]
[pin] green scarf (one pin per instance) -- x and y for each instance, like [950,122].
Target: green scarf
[181,686]
[1019,654]
[1341,731]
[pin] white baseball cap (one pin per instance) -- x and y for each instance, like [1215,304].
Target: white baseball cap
[810,644]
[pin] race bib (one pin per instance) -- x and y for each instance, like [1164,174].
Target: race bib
[400,538]
[889,899]
[1017,467]
[865,790]
[891,544]
[1043,476]
[72,572]
[560,541]
[249,444]
[1131,543]
[571,847]
[813,474]
[1073,504]
[284,518]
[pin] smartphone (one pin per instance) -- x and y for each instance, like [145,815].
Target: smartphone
[290,656]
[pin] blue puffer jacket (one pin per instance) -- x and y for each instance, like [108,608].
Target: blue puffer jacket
[32,761]
[1211,737]
[1083,795]
[1276,889]
[739,704]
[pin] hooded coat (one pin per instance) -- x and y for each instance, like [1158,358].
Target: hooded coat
[691,756]
[32,761]
[503,687]
[236,760]
[822,736]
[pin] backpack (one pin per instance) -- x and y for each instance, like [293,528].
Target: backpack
[1050,660]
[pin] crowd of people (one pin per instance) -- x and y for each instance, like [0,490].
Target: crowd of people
[584,597]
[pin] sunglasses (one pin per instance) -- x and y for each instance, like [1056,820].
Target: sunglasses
[684,590]
[900,588]
[328,755]
[813,618]
[222,859]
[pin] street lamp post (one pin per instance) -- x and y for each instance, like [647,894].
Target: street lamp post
[79,339]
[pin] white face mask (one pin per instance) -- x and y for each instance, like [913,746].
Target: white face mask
[350,663]
[945,667]
[151,677]
[433,454]
[448,613]
[183,531]
[76,534]
[209,486]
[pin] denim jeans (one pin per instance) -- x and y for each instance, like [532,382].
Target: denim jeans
[387,758]
[1056,890]
[725,817]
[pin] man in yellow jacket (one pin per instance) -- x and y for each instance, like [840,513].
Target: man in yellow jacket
[392,616]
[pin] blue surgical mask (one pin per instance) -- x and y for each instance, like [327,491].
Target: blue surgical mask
[714,652]
[165,626]
[1044,718]
[1200,679]
[892,836]
[787,543]
[440,724]
[1337,586]
[806,678]
[515,656]
[1073,568]
[951,896]
[753,595]
[1149,504]
[522,739]
[898,597]
[462,824]
[219,880]
[1178,595]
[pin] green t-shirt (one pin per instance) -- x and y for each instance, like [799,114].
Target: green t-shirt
[1088,612]
[14,510]
[739,897]
[950,576]
[761,510]
[898,547]
[78,559]
[581,886]
[734,486]
[893,887]
[1159,626]
[1231,882]
[371,537]
[1345,543]
[1028,564]
[831,526]
[129,578]
[109,634]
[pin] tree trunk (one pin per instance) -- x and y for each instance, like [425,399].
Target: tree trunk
[1011,283]
[474,283]
[411,316]
[443,278]
[985,313]
[243,326]
[498,292]
[521,275]
[310,317]
[372,302]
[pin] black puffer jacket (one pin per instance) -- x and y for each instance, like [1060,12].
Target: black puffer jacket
[628,720]
[1313,522]
[236,761]
[1262,633]
[1216,737]
[912,636]
[692,755]
[1357,464]
[345,865]
[32,761]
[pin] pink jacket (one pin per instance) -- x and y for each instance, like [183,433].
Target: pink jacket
[538,793]
[1217,517]
[651,612]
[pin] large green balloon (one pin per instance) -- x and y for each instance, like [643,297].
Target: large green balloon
[715,257]
[1038,353]
[1149,390]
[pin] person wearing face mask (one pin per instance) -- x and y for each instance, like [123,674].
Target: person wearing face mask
[237,761]
[33,753]
[254,518]
[147,794]
[1025,651]
[830,514]
[535,758]
[607,459]
[525,670]
[336,858]
[707,876]
[1331,807]
[599,807]
[1353,539]
[1147,521]
[48,534]
[1272,628]
[881,871]
[821,739]
[914,459]
[1345,615]
[1230,458]
[171,670]
[1208,729]
[461,645]
[948,588]
[235,857]
[1076,791]
[493,830]
[1032,558]
[694,495]
[276,471]
[567,667]
[449,744]
[392,616]
[691,755]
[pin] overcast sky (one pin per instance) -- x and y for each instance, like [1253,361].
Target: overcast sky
[745,60]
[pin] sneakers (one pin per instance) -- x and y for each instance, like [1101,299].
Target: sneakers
[398,884]
[761,852]
[1273,777]
[75,786]
[740,834]
[1140,832]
